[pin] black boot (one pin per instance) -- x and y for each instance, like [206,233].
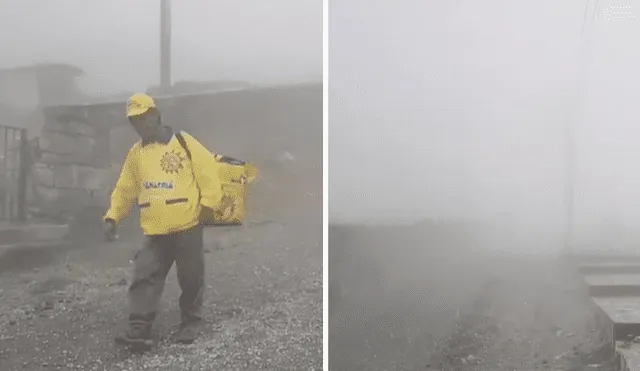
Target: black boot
[138,336]
[189,331]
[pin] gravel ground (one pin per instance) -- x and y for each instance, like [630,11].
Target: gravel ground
[435,306]
[530,315]
[263,305]
[61,310]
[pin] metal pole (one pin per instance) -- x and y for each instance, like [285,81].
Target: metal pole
[165,46]
[24,165]
[581,84]
[569,186]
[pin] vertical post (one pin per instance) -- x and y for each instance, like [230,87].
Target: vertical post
[569,186]
[24,165]
[590,14]
[165,45]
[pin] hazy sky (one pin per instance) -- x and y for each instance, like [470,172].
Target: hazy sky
[451,109]
[116,42]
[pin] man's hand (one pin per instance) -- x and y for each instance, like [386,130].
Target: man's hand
[206,215]
[110,230]
[225,202]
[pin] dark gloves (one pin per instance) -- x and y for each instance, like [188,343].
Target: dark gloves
[110,230]
[206,215]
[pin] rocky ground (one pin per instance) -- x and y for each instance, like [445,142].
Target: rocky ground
[424,304]
[60,310]
[263,305]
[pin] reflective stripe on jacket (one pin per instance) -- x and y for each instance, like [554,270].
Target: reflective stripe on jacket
[168,188]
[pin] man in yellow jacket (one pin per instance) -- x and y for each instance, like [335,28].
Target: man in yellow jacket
[172,178]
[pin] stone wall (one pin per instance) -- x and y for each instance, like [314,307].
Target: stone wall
[69,170]
[81,147]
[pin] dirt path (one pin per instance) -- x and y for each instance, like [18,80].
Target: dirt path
[532,315]
[264,306]
[407,308]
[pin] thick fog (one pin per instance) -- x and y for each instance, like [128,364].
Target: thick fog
[458,110]
[117,42]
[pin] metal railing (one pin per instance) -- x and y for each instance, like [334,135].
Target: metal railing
[14,168]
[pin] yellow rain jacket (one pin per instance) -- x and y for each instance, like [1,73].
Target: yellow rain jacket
[167,186]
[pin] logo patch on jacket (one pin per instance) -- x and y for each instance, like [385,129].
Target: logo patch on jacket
[171,162]
[158,185]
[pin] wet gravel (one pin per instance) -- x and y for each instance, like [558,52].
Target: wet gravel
[263,307]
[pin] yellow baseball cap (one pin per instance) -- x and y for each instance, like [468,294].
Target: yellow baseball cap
[139,104]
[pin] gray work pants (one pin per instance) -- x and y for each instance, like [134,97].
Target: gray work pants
[152,264]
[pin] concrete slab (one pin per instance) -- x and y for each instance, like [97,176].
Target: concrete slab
[26,233]
[627,359]
[610,267]
[53,244]
[612,285]
[27,237]
[586,258]
[605,328]
[620,316]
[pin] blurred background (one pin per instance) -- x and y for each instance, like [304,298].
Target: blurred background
[117,44]
[517,115]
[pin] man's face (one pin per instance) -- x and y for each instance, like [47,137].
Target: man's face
[144,124]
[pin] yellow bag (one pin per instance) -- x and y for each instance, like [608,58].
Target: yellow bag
[235,176]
